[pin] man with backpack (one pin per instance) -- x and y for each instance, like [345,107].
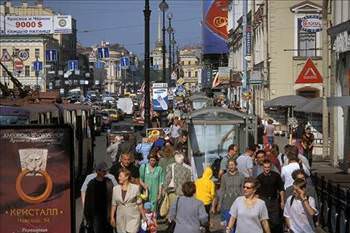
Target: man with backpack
[300,209]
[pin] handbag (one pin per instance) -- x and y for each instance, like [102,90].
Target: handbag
[164,206]
[172,224]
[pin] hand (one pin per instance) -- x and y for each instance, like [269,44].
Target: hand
[112,222]
[213,210]
[218,208]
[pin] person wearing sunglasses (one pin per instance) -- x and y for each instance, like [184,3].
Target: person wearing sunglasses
[248,212]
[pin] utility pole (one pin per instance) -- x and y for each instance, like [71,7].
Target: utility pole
[252,21]
[325,118]
[244,46]
[147,15]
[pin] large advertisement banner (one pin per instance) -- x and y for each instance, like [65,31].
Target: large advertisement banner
[24,25]
[214,26]
[35,180]
[160,96]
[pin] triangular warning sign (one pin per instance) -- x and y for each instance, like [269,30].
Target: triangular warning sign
[5,56]
[309,73]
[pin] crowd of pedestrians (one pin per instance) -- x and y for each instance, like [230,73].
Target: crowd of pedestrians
[259,190]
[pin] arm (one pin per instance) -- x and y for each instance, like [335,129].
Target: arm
[82,195]
[306,203]
[282,198]
[265,225]
[230,224]
[112,220]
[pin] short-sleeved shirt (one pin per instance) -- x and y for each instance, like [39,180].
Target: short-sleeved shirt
[93,176]
[132,168]
[270,185]
[249,219]
[270,130]
[244,162]
[287,171]
[298,219]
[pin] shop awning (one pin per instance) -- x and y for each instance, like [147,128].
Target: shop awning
[286,101]
[343,101]
[313,106]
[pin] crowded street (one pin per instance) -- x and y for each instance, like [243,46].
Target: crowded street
[173,116]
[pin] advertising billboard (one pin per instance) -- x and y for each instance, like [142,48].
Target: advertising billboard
[28,25]
[62,24]
[160,96]
[37,25]
[36,179]
[214,26]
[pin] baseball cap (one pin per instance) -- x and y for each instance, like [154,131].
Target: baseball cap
[147,205]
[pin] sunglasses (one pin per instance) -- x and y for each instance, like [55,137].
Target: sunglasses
[247,187]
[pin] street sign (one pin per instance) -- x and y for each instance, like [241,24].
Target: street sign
[103,53]
[51,55]
[309,73]
[73,64]
[5,56]
[124,63]
[38,65]
[99,64]
[23,55]
[18,65]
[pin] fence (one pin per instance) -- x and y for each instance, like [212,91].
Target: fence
[334,205]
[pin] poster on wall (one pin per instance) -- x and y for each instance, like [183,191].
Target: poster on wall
[62,24]
[160,96]
[35,180]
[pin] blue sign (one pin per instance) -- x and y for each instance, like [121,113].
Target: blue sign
[103,53]
[51,55]
[73,65]
[38,65]
[99,64]
[124,62]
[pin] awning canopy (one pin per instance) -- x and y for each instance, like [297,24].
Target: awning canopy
[286,101]
[313,106]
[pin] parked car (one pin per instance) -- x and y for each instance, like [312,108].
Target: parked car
[118,129]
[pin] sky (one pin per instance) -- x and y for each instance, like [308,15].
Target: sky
[122,21]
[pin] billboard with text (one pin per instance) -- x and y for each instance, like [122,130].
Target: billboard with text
[36,179]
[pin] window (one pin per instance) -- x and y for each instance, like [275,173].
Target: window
[189,74]
[196,74]
[189,62]
[37,52]
[27,71]
[307,42]
[182,63]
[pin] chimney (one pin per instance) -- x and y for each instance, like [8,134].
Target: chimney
[39,3]
[24,3]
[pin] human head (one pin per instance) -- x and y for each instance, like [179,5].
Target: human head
[250,150]
[308,129]
[147,206]
[189,189]
[179,157]
[275,149]
[124,176]
[231,165]
[153,159]
[267,166]
[298,174]
[126,137]
[126,159]
[292,153]
[101,169]
[260,157]
[232,150]
[250,186]
[269,121]
[298,184]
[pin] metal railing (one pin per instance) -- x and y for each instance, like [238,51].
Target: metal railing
[334,212]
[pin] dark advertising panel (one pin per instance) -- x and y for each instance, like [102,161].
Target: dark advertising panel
[35,180]
[214,26]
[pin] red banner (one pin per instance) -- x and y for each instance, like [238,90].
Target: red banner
[35,180]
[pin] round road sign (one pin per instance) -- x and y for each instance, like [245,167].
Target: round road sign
[19,65]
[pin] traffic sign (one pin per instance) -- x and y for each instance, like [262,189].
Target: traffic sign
[103,53]
[309,73]
[23,55]
[99,64]
[5,56]
[51,55]
[73,64]
[124,63]
[38,65]
[18,65]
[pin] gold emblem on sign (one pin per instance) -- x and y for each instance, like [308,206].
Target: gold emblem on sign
[33,163]
[220,21]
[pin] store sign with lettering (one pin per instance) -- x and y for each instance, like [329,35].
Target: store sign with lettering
[311,23]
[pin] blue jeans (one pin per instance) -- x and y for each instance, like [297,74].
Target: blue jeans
[270,139]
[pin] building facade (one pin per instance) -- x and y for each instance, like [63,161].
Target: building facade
[30,48]
[340,83]
[277,48]
[191,67]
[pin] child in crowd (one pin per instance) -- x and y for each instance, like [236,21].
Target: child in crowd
[151,219]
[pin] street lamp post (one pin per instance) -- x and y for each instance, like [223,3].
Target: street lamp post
[170,31]
[173,44]
[147,14]
[163,6]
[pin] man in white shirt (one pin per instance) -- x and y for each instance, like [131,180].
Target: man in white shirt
[283,159]
[300,209]
[245,162]
[286,172]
